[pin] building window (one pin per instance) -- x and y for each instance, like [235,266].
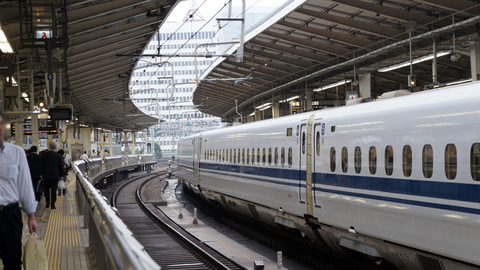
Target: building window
[269,156]
[357,162]
[290,157]
[344,159]
[317,143]
[389,160]
[427,161]
[475,161]
[282,157]
[451,161]
[332,159]
[407,160]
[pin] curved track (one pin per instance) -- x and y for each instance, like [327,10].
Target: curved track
[166,242]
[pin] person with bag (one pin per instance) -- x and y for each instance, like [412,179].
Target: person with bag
[52,172]
[15,186]
[35,165]
[61,184]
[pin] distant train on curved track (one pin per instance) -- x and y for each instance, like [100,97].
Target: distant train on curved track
[396,179]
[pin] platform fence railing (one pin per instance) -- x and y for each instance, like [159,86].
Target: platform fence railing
[111,243]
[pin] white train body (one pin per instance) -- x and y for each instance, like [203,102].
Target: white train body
[406,211]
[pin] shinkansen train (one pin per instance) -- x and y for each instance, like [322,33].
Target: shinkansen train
[395,179]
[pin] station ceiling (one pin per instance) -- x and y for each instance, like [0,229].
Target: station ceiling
[97,32]
[321,40]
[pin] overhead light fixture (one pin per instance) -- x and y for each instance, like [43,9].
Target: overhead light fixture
[252,114]
[263,105]
[41,104]
[44,110]
[24,95]
[288,99]
[332,85]
[264,108]
[414,61]
[4,45]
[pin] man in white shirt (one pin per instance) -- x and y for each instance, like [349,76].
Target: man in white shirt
[15,187]
[84,156]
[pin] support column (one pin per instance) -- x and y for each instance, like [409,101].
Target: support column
[19,133]
[275,110]
[110,142]
[365,84]
[308,101]
[133,143]
[474,60]
[35,138]
[102,144]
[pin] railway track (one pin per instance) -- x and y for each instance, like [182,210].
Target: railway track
[165,241]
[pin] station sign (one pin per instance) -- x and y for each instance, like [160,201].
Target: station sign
[36,109]
[44,126]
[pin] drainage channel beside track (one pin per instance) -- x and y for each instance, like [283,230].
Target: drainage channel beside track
[165,241]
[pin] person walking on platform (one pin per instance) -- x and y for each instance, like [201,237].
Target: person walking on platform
[15,186]
[52,172]
[35,165]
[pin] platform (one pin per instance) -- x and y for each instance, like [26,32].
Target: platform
[66,242]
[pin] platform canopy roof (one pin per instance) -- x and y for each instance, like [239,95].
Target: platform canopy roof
[308,44]
[97,32]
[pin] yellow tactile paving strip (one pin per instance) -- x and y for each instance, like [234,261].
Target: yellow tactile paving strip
[62,231]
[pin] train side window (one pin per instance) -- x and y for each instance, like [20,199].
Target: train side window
[239,159]
[451,161]
[223,155]
[357,162]
[231,160]
[317,143]
[427,161]
[372,160]
[290,157]
[407,160]
[333,164]
[282,157]
[248,156]
[344,159]
[205,155]
[243,156]
[276,157]
[264,157]
[475,161]
[253,156]
[234,156]
[389,160]
[258,156]
[269,156]
[303,142]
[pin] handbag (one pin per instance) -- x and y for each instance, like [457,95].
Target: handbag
[40,186]
[35,256]
[61,185]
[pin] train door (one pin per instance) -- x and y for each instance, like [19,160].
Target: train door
[302,163]
[197,148]
[317,142]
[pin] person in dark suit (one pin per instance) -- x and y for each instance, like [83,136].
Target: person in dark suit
[52,172]
[35,165]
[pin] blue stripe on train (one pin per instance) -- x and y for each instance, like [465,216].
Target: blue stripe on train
[441,190]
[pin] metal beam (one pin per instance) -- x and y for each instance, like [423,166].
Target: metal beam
[388,11]
[109,48]
[293,51]
[371,28]
[316,45]
[456,5]
[342,38]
